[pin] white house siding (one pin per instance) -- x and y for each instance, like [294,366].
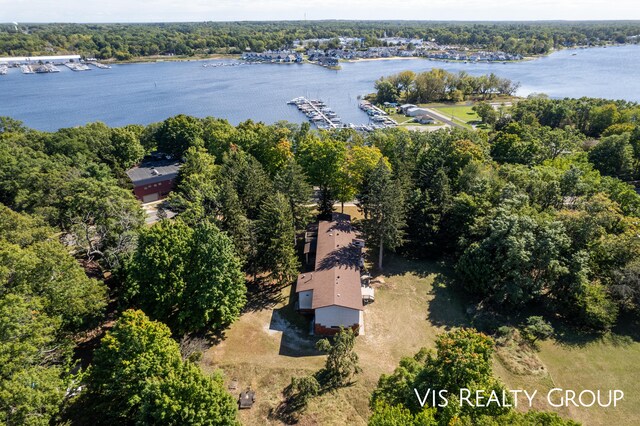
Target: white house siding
[336,316]
[304,299]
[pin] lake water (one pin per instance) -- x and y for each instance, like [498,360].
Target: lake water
[150,92]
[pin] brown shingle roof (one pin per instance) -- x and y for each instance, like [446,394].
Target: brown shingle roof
[336,279]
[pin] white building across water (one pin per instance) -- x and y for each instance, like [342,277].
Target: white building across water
[57,59]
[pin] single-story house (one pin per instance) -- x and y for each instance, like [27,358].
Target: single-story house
[334,292]
[424,119]
[154,178]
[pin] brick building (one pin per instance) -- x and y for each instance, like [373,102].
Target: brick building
[154,178]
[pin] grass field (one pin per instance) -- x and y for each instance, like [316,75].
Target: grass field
[270,344]
[463,114]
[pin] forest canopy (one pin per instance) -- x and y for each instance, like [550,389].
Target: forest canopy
[125,41]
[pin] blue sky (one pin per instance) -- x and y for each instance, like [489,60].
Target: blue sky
[231,10]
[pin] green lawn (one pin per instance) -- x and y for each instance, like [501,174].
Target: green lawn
[602,364]
[463,114]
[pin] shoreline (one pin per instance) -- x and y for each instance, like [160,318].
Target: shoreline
[237,56]
[177,58]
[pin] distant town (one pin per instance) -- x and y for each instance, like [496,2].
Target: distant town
[347,49]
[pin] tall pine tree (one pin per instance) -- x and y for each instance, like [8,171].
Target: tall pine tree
[275,240]
[382,199]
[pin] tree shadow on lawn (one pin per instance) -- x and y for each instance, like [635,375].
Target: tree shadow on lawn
[262,295]
[624,333]
[447,307]
[395,264]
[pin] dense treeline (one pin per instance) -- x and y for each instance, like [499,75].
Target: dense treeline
[438,85]
[123,41]
[533,214]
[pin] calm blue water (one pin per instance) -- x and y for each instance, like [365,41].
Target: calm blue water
[146,93]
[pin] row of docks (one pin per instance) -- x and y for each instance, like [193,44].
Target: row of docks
[325,118]
[318,113]
[226,64]
[50,68]
[30,67]
[377,115]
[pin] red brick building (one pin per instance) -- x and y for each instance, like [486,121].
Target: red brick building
[154,178]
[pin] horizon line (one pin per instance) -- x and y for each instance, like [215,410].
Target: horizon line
[329,20]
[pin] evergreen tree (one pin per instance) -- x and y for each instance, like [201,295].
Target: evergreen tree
[249,179]
[383,203]
[195,195]
[292,183]
[233,220]
[275,240]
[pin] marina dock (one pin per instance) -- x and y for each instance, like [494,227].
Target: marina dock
[318,113]
[26,69]
[48,64]
[325,118]
[99,65]
[377,115]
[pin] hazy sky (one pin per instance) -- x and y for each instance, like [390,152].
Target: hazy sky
[232,10]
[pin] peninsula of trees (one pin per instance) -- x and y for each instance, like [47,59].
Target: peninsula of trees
[438,85]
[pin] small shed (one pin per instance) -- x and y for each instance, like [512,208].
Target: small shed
[247,398]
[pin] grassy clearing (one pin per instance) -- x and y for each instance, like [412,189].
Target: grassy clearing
[264,349]
[401,118]
[463,114]
[270,344]
[601,364]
